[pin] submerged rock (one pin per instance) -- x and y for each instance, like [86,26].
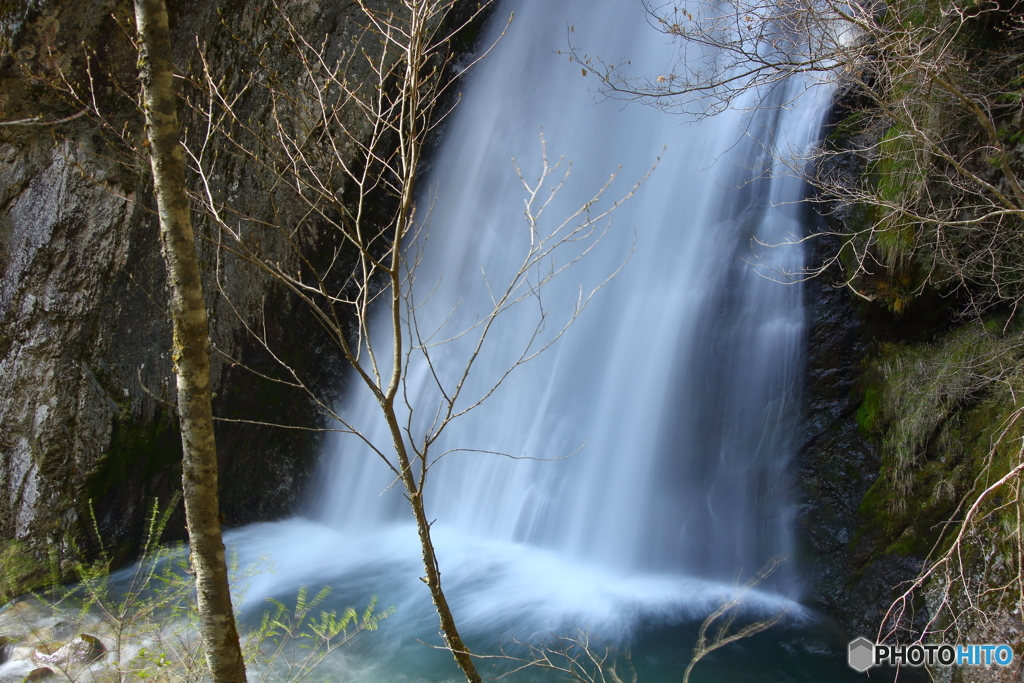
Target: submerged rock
[82,651]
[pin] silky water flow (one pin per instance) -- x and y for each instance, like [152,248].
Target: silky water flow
[656,433]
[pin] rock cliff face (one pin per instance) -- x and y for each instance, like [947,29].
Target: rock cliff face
[851,572]
[872,371]
[86,420]
[837,465]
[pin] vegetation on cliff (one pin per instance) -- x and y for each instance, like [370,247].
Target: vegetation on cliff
[933,248]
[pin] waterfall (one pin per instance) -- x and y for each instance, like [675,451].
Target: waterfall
[676,392]
[677,389]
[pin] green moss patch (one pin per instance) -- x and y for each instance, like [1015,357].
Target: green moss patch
[936,411]
[20,571]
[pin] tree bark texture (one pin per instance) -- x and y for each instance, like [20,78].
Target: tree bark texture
[191,350]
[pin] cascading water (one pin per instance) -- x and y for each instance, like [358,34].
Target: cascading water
[680,381]
[676,391]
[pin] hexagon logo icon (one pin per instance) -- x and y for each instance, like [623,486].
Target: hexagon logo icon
[862,654]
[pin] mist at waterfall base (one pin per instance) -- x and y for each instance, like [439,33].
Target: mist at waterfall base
[676,393]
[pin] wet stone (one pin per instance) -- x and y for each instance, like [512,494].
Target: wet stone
[83,650]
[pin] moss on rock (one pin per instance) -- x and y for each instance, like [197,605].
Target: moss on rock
[934,410]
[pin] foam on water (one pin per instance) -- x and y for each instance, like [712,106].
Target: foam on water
[493,586]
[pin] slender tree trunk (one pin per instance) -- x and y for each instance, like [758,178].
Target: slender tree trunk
[410,147]
[191,350]
[431,569]
[452,639]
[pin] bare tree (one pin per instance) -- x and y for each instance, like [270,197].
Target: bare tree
[341,158]
[936,114]
[191,348]
[723,619]
[577,657]
[725,50]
